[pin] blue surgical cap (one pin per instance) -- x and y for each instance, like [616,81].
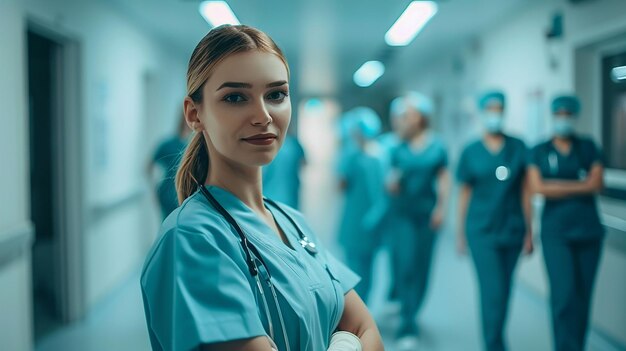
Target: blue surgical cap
[368,122]
[421,103]
[346,124]
[397,107]
[491,97]
[569,103]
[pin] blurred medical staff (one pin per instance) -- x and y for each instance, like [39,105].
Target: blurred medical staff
[361,178]
[496,225]
[568,170]
[167,158]
[419,186]
[281,178]
[383,220]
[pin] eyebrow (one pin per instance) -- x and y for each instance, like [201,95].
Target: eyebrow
[249,86]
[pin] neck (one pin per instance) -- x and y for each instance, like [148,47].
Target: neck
[494,136]
[562,139]
[244,182]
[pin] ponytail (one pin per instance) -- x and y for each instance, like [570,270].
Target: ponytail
[193,169]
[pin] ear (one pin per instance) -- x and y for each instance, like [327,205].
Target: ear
[192,115]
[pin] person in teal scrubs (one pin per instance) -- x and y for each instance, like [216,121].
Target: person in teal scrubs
[494,214]
[232,270]
[419,189]
[281,178]
[568,171]
[382,221]
[362,180]
[166,157]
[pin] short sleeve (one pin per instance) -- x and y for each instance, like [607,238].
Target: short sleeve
[195,293]
[347,278]
[524,154]
[534,156]
[463,174]
[596,154]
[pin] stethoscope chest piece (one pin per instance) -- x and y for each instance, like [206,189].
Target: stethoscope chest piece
[502,173]
[309,246]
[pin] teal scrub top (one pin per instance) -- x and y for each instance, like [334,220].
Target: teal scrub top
[281,178]
[364,176]
[495,210]
[418,180]
[574,217]
[197,288]
[167,156]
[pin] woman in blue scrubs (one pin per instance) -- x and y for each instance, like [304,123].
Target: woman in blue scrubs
[567,170]
[232,270]
[419,190]
[362,179]
[494,214]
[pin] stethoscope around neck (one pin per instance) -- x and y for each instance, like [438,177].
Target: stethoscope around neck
[252,256]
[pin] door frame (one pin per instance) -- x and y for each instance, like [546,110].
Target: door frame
[68,187]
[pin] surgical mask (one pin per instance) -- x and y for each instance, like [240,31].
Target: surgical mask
[493,121]
[563,127]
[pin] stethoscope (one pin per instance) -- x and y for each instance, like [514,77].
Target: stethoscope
[251,252]
[553,162]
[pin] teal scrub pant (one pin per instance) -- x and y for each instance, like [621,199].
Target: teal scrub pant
[494,266]
[413,255]
[572,268]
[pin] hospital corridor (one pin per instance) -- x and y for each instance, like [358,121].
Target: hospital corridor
[313,175]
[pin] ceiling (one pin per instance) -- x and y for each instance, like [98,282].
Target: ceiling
[327,40]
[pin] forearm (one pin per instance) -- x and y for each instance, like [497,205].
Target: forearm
[565,188]
[357,320]
[462,209]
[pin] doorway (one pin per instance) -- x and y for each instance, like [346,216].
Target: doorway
[55,180]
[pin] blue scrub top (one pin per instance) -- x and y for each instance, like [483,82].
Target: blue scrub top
[363,172]
[418,181]
[281,178]
[495,209]
[574,217]
[197,288]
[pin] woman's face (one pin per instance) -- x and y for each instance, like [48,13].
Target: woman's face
[246,108]
[413,122]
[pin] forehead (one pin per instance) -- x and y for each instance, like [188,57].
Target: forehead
[252,67]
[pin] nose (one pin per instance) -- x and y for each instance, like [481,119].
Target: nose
[261,116]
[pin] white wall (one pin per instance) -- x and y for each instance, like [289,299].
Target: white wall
[15,300]
[119,131]
[515,57]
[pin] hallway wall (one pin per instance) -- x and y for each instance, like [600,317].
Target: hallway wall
[15,231]
[131,89]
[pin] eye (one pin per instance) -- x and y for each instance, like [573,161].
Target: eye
[234,98]
[278,95]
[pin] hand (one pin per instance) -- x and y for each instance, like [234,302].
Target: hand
[529,247]
[436,219]
[461,244]
[393,187]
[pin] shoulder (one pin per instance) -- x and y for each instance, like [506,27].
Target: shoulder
[586,141]
[194,225]
[541,147]
[471,146]
[517,142]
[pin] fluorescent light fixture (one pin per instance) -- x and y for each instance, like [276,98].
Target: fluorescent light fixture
[368,73]
[410,23]
[618,73]
[217,13]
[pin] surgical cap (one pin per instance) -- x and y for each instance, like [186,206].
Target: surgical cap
[397,107]
[368,122]
[421,103]
[569,103]
[491,97]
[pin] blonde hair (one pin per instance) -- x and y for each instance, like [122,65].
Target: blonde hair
[220,43]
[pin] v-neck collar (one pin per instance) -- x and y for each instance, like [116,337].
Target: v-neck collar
[496,153]
[559,152]
[249,220]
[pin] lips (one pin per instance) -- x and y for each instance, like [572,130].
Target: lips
[261,139]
